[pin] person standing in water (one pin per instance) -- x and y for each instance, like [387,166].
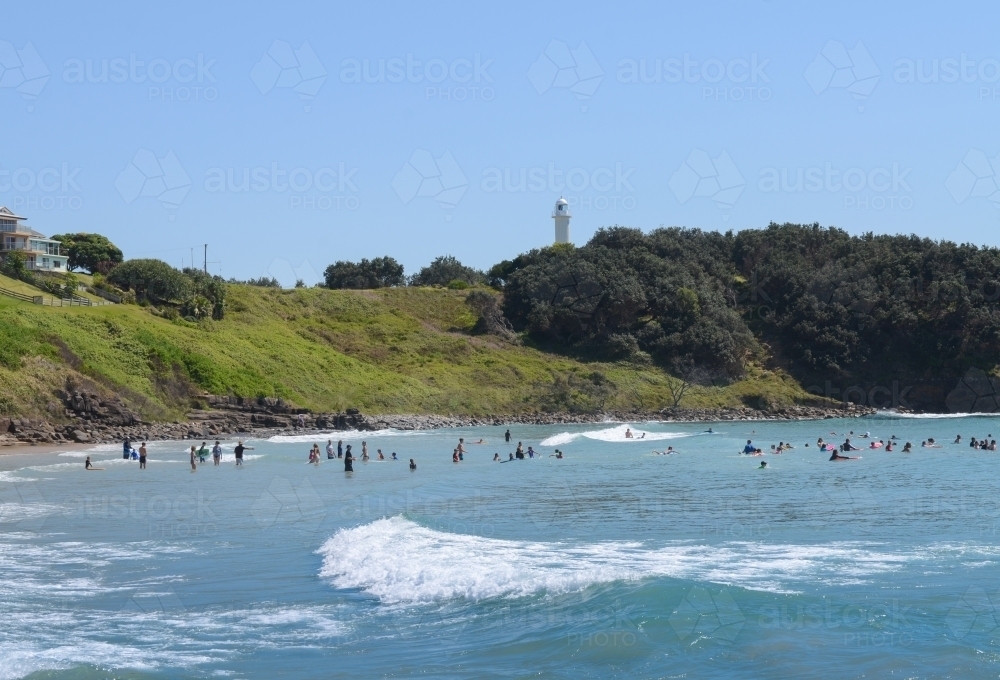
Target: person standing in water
[506,436]
[238,451]
[348,460]
[364,450]
[126,448]
[461,448]
[142,456]
[340,448]
[217,453]
[87,463]
[413,466]
[519,452]
[194,465]
[329,449]
[203,452]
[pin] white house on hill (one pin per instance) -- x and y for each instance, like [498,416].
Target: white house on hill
[41,253]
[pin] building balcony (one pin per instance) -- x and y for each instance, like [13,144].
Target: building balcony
[29,249]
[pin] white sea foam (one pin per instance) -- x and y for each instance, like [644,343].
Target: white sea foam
[935,416]
[559,439]
[397,560]
[612,434]
[319,437]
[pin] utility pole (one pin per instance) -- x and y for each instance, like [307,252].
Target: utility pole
[206,258]
[192,258]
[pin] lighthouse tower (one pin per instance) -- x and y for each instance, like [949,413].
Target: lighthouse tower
[561,216]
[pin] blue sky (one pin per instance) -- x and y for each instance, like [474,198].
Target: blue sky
[253,127]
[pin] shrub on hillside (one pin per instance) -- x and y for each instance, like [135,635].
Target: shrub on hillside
[380,272]
[150,279]
[443,270]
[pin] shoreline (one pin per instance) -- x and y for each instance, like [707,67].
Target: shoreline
[27,435]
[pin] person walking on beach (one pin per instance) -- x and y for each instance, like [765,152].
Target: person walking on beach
[506,436]
[194,465]
[217,453]
[142,456]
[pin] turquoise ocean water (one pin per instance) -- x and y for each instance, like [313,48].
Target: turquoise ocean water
[613,562]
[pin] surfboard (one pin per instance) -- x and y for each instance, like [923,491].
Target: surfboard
[91,469]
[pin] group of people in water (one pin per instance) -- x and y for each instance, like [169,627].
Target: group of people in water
[198,455]
[347,454]
[836,452]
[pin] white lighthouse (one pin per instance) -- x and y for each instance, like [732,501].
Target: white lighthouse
[561,216]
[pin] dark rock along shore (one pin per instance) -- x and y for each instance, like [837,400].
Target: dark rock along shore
[93,419]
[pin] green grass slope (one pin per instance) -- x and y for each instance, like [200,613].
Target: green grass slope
[406,350]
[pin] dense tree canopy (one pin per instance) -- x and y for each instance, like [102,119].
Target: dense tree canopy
[444,270]
[92,252]
[198,294]
[629,295]
[380,272]
[822,303]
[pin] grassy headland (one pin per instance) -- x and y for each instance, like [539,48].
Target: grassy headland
[396,350]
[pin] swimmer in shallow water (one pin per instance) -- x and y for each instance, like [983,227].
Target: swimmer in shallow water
[496,456]
[907,447]
[557,454]
[836,456]
[413,466]
[763,464]
[628,433]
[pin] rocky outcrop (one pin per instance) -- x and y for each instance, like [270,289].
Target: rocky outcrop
[93,419]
